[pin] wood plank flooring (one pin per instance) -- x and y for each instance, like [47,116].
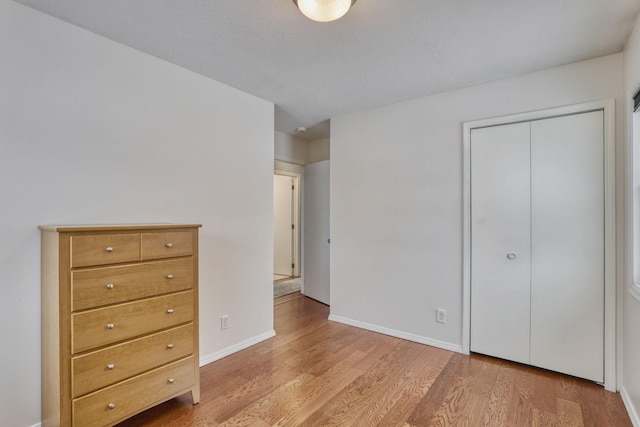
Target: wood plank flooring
[321,373]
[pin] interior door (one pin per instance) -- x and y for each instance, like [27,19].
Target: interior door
[282,225]
[500,241]
[567,229]
[537,243]
[316,232]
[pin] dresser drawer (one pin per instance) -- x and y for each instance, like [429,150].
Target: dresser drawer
[113,364]
[103,249]
[110,285]
[166,244]
[108,406]
[103,326]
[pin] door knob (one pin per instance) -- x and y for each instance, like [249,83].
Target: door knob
[511,255]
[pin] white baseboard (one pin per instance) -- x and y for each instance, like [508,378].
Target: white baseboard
[37,425]
[205,360]
[397,334]
[631,409]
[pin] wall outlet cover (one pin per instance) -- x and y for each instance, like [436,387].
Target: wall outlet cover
[224,322]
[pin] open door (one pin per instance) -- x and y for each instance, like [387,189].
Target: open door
[316,232]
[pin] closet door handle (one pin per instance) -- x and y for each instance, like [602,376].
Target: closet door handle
[511,255]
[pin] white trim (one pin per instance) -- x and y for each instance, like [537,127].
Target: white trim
[205,360]
[397,334]
[634,290]
[610,254]
[543,114]
[608,108]
[628,404]
[466,238]
[37,425]
[291,160]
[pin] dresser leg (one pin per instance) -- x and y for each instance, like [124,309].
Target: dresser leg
[195,394]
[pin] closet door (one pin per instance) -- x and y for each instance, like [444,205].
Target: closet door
[500,241]
[567,232]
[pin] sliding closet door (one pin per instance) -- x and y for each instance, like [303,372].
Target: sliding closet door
[500,241]
[567,232]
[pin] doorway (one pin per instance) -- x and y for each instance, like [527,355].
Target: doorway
[283,226]
[286,233]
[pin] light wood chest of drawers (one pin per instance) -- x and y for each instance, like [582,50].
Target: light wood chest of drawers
[119,320]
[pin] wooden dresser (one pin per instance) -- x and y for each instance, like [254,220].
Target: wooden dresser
[119,320]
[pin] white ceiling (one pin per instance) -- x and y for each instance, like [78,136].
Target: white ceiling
[381,52]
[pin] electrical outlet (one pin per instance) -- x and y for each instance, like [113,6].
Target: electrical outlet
[224,322]
[441,315]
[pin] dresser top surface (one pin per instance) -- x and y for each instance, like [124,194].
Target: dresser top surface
[113,227]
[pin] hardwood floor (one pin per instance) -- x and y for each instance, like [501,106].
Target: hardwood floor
[321,373]
[286,298]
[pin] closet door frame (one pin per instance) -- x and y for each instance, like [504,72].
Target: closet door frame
[610,294]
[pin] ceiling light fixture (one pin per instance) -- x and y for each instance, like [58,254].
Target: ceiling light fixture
[324,10]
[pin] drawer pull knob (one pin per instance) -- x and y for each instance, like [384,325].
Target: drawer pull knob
[169,245]
[169,276]
[171,380]
[170,311]
[111,366]
[112,406]
[110,286]
[110,326]
[170,346]
[109,249]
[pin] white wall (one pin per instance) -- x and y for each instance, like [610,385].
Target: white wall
[94,132]
[291,149]
[319,150]
[288,167]
[631,338]
[396,196]
[296,150]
